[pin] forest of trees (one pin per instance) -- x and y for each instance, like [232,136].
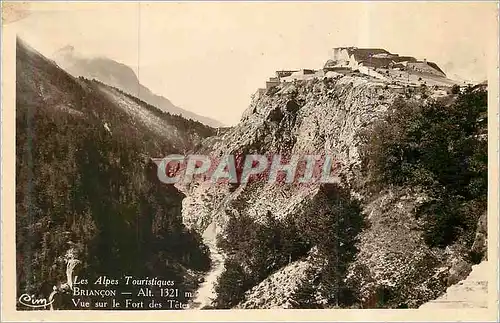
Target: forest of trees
[438,146]
[80,188]
[331,222]
[441,147]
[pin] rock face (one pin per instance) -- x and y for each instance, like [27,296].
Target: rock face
[284,288]
[479,248]
[279,289]
[328,119]
[393,267]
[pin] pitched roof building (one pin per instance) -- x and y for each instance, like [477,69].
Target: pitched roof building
[354,57]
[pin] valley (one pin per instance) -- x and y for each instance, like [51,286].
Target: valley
[403,222]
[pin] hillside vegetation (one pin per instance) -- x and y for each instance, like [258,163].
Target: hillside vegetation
[406,221]
[440,147]
[85,185]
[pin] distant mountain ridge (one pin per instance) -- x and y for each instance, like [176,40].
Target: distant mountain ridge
[121,76]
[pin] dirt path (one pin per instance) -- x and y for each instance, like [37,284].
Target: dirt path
[206,293]
[471,292]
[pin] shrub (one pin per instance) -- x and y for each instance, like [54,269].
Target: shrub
[260,248]
[438,147]
[231,285]
[331,222]
[305,295]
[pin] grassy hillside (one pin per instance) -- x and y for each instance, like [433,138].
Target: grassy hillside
[85,184]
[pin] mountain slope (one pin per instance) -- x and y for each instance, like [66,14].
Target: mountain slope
[122,77]
[370,246]
[86,190]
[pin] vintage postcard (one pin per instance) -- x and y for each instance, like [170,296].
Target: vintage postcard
[249,161]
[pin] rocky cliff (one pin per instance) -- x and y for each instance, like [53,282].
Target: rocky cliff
[391,265]
[329,117]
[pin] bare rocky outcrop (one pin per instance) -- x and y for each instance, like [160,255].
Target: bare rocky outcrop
[328,120]
[479,247]
[278,290]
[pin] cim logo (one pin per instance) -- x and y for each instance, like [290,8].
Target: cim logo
[33,302]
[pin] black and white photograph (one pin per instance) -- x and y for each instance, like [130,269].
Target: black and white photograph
[208,156]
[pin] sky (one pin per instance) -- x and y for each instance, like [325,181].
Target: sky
[210,57]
